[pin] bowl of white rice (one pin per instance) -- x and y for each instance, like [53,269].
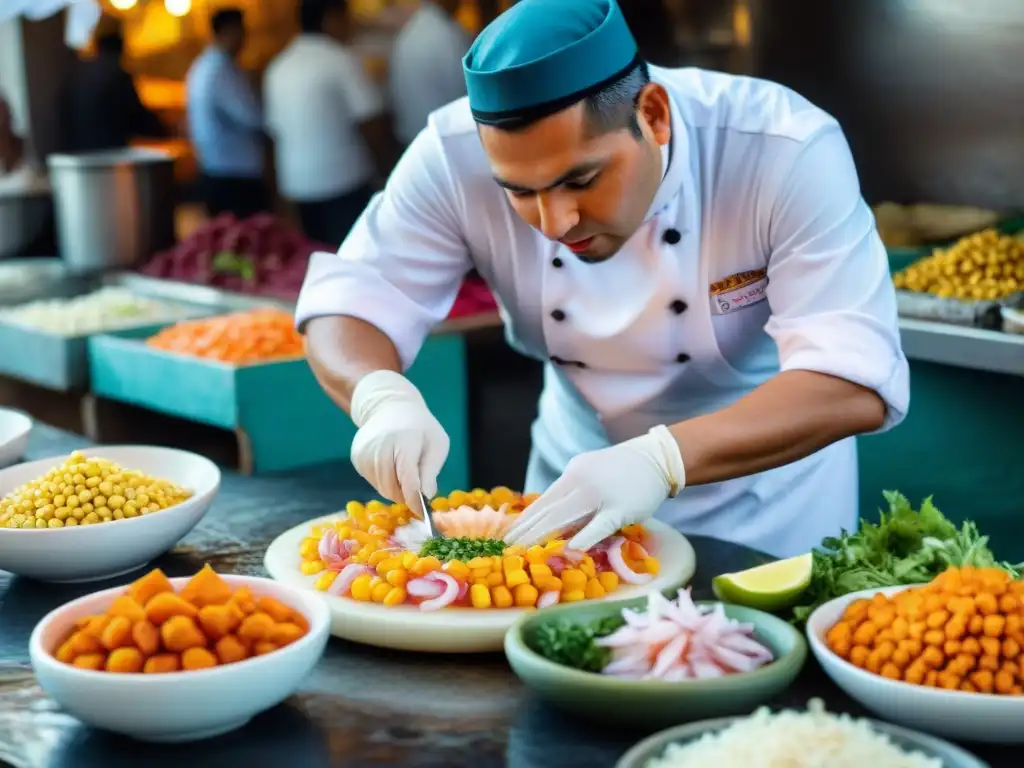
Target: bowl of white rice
[795,739]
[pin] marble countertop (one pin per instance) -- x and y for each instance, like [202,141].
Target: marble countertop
[361,706]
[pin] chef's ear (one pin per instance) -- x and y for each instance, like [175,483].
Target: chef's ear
[653,110]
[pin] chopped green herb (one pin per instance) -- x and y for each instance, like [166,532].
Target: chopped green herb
[461,548]
[572,645]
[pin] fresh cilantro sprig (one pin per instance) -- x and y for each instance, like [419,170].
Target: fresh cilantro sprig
[572,645]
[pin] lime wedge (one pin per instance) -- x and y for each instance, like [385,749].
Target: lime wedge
[769,587]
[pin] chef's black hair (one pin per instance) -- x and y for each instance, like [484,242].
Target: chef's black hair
[312,13]
[609,106]
[225,19]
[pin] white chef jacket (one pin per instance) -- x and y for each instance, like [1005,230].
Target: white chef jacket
[425,71]
[759,182]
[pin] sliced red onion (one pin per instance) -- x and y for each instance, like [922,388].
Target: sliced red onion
[328,546]
[424,588]
[447,597]
[734,660]
[618,563]
[343,581]
[573,555]
[335,563]
[557,564]
[463,590]
[548,599]
[670,655]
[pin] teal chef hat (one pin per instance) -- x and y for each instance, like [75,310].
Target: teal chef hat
[540,56]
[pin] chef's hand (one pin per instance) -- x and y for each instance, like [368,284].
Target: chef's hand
[400,447]
[611,488]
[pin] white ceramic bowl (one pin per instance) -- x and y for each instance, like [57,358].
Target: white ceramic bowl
[93,552]
[180,706]
[950,714]
[14,431]
[452,630]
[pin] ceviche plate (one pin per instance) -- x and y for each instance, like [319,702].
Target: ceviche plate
[453,630]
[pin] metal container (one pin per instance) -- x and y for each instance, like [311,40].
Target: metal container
[114,209]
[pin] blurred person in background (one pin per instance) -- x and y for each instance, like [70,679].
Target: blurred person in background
[101,108]
[425,72]
[226,123]
[330,130]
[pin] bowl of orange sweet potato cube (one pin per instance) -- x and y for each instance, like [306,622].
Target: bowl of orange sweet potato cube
[177,660]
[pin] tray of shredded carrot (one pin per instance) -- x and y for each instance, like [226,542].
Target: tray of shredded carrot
[154,630]
[239,338]
[962,631]
[379,553]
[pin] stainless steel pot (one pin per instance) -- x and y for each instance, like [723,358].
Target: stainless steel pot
[113,209]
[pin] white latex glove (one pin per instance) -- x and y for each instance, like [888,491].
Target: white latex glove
[611,488]
[400,447]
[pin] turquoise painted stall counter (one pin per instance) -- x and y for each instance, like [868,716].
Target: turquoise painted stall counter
[281,417]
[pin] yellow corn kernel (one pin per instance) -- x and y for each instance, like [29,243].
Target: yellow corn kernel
[525,595]
[360,588]
[480,562]
[573,578]
[378,531]
[440,504]
[425,565]
[458,498]
[515,578]
[501,597]
[456,569]
[480,596]
[480,573]
[381,519]
[555,547]
[483,582]
[495,562]
[375,505]
[361,536]
[398,577]
[325,579]
[536,555]
[318,530]
[512,563]
[516,550]
[395,596]
[343,530]
[495,578]
[311,567]
[548,584]
[609,580]
[593,590]
[540,571]
[651,565]
[378,557]
[380,591]
[388,564]
[573,595]
[409,559]
[588,567]
[354,509]
[309,548]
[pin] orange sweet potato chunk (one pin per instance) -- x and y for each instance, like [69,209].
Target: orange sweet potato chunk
[118,634]
[92,661]
[179,633]
[256,627]
[285,633]
[125,661]
[219,620]
[166,605]
[127,607]
[146,637]
[149,586]
[274,608]
[230,649]
[198,658]
[206,588]
[244,601]
[162,664]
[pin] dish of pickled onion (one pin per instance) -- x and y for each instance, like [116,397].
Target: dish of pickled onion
[390,585]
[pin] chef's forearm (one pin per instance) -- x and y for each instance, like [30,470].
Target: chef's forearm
[342,350]
[785,419]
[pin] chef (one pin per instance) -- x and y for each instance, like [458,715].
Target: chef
[687,251]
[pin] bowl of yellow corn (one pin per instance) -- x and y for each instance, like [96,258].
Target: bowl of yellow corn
[389,584]
[100,512]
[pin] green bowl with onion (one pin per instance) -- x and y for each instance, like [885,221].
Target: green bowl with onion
[649,704]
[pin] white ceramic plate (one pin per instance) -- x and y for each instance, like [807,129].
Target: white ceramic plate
[950,714]
[181,706]
[451,630]
[93,552]
[14,431]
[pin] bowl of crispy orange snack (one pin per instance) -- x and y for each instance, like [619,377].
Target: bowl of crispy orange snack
[177,660]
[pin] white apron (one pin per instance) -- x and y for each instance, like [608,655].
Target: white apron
[636,348]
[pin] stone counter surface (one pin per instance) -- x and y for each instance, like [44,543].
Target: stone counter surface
[361,706]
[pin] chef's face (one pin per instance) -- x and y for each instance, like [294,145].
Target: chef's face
[588,189]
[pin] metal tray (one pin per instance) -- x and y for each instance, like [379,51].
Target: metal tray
[172,290]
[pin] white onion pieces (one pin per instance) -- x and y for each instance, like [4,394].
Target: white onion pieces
[675,640]
[796,740]
[106,309]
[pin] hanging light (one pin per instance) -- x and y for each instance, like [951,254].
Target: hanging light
[178,8]
[123,5]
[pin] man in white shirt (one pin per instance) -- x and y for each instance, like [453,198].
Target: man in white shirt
[328,123]
[425,72]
